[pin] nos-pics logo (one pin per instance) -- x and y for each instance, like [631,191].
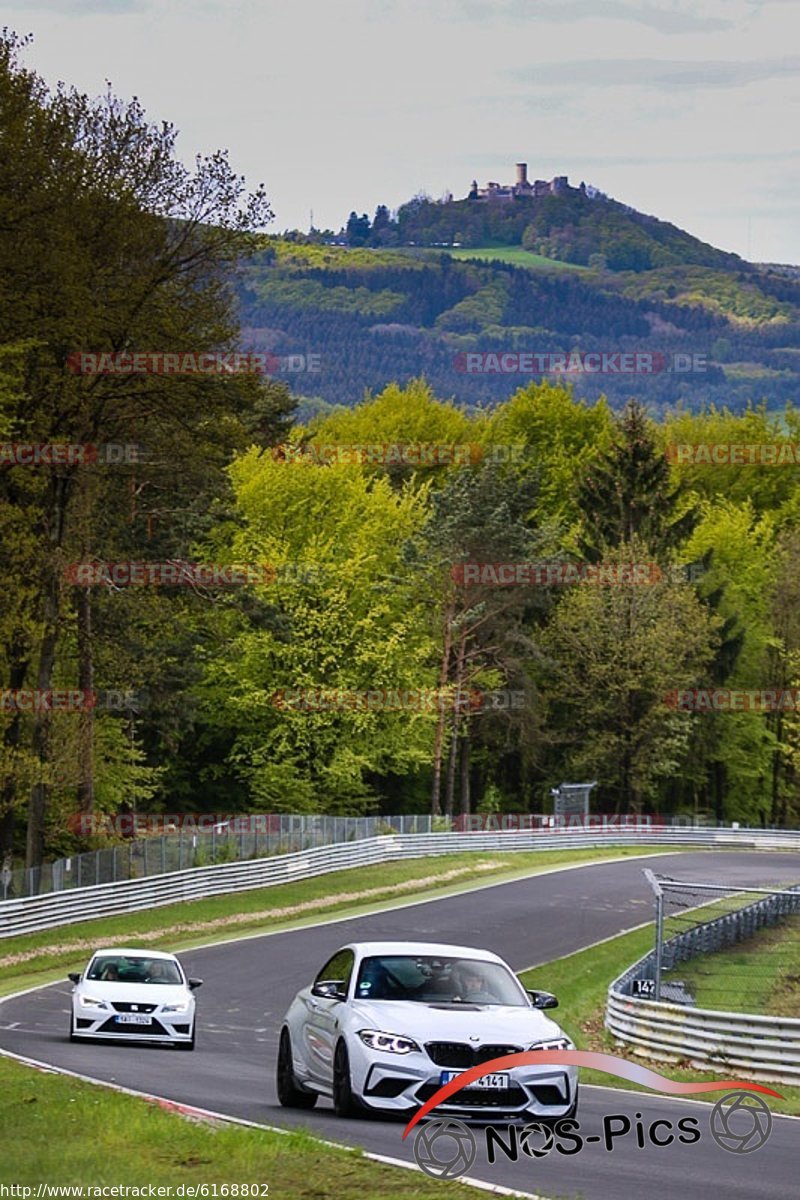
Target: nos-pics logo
[446,1148]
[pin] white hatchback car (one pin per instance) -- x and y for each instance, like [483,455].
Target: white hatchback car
[134,995]
[385,1024]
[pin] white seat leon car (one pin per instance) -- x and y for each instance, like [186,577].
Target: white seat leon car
[385,1024]
[127,995]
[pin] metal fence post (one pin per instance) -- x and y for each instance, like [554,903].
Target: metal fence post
[659,947]
[659,942]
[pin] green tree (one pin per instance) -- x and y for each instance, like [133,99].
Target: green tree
[479,517]
[110,244]
[344,618]
[628,494]
[618,652]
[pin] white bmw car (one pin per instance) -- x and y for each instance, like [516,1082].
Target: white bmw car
[134,995]
[385,1024]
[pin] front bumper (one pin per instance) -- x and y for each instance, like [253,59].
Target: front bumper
[103,1024]
[401,1086]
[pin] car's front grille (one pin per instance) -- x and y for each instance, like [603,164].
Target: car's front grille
[461,1055]
[510,1097]
[154,1029]
[126,1006]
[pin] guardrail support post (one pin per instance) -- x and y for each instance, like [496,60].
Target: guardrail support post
[659,947]
[659,942]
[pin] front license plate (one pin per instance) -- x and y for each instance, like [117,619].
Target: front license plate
[495,1082]
[134,1019]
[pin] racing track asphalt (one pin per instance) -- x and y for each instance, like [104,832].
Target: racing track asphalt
[249,984]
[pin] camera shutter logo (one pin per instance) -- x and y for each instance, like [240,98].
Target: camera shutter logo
[530,1134]
[444,1148]
[740,1122]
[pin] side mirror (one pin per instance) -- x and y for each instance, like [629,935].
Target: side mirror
[74,976]
[195,983]
[330,989]
[543,999]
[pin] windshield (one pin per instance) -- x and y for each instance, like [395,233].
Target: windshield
[437,980]
[119,969]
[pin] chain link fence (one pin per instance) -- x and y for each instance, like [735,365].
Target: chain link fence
[250,836]
[723,948]
[254,835]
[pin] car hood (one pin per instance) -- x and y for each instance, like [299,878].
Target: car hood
[135,993]
[428,1022]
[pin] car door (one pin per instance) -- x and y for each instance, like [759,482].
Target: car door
[325,1000]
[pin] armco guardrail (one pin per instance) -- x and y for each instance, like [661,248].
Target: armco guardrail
[766,1047]
[203,842]
[82,904]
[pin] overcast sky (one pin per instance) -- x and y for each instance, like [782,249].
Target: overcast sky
[688,109]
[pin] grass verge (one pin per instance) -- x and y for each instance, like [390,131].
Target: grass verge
[581,982]
[65,1131]
[38,957]
[760,975]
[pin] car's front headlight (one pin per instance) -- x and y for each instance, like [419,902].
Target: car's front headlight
[180,1007]
[92,1002]
[391,1043]
[562,1043]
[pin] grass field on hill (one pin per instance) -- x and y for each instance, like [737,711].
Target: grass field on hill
[514,255]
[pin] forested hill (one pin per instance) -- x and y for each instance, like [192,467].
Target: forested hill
[365,317]
[571,226]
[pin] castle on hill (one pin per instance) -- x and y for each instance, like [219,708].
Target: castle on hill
[558,186]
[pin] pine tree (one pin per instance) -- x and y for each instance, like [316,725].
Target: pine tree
[628,494]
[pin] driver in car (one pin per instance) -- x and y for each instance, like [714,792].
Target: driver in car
[473,985]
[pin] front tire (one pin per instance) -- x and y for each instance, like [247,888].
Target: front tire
[345,1103]
[289,1094]
[72,1036]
